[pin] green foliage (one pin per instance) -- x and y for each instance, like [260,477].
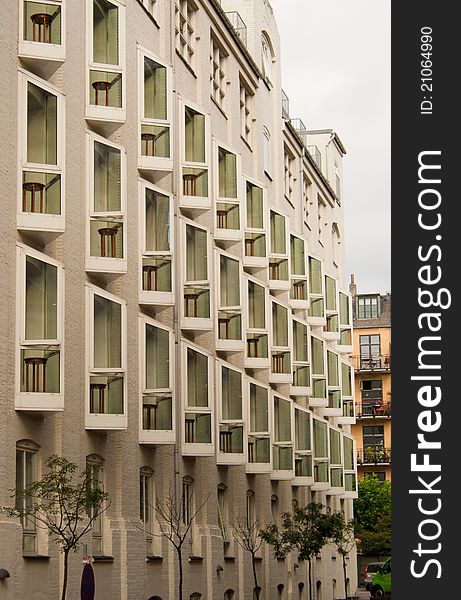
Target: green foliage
[343,536]
[60,501]
[372,511]
[373,502]
[306,530]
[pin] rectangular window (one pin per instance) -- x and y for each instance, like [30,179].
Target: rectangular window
[282,449]
[151,6]
[257,342]
[246,98]
[223,512]
[107,357]
[301,369]
[373,436]
[333,371]
[321,219]
[217,72]
[278,234]
[335,447]
[255,239]
[184,30]
[94,468]
[370,352]
[196,287]
[320,439]
[42,126]
[279,325]
[258,440]
[318,368]
[298,259]
[25,477]
[229,315]
[348,446]
[107,208]
[155,142]
[198,411]
[157,241]
[227,173]
[330,293]
[289,166]
[231,425]
[106,85]
[157,387]
[266,151]
[368,307]
[146,507]
[40,341]
[302,430]
[195,174]
[42,22]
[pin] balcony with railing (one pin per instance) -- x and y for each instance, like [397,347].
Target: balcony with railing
[374,455]
[377,409]
[376,362]
[285,106]
[316,155]
[238,24]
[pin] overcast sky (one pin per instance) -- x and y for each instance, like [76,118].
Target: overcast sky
[336,73]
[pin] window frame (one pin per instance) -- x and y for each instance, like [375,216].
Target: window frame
[101,264]
[197,448]
[369,297]
[156,436]
[197,323]
[296,390]
[282,474]
[192,8]
[286,376]
[279,284]
[25,447]
[156,297]
[43,50]
[247,97]
[250,361]
[299,278]
[187,200]
[218,87]
[255,261]
[145,161]
[260,467]
[40,221]
[227,344]
[38,401]
[316,321]
[231,458]
[146,509]
[106,421]
[313,400]
[226,233]
[99,112]
[300,453]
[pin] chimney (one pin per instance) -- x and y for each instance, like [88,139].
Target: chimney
[353,286]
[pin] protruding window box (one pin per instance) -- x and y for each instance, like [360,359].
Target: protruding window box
[255,238]
[347,416]
[157,242]
[255,253]
[334,407]
[282,462]
[350,467]
[106,403]
[280,367]
[106,352]
[197,429]
[321,476]
[229,302]
[196,296]
[256,351]
[279,268]
[259,454]
[195,188]
[155,108]
[194,185]
[319,396]
[331,331]
[316,313]
[231,447]
[301,382]
[41,143]
[299,296]
[336,482]
[304,474]
[39,364]
[227,221]
[42,30]
[282,447]
[257,337]
[106,74]
[336,463]
[281,342]
[229,331]
[278,273]
[106,238]
[350,486]
[345,345]
[157,410]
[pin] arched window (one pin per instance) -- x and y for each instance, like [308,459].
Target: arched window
[251,512]
[267,56]
[301,591]
[229,595]
[318,586]
[187,499]
[195,596]
[256,593]
[155,598]
[280,590]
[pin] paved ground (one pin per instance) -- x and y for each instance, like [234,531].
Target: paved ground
[362,594]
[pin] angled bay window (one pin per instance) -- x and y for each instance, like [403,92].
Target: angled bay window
[319,384]
[255,232]
[281,341]
[195,159]
[321,467]
[278,259]
[157,408]
[299,292]
[196,311]
[107,235]
[231,421]
[106,56]
[334,391]
[227,224]
[350,468]
[106,407]
[197,417]
[345,329]
[157,246]
[348,412]
[257,327]
[331,329]
[301,384]
[40,205]
[336,462]
[259,455]
[40,332]
[155,109]
[43,29]
[303,446]
[317,305]
[282,448]
[229,303]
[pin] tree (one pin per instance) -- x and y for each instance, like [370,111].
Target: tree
[306,530]
[247,535]
[344,540]
[372,511]
[175,523]
[63,502]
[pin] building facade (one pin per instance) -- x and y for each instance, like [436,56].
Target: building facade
[372,365]
[173,308]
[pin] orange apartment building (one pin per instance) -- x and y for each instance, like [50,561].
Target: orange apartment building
[372,364]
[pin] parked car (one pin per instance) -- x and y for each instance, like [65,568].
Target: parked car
[382,582]
[370,570]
